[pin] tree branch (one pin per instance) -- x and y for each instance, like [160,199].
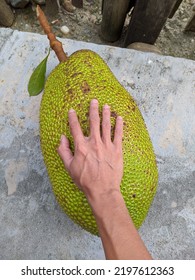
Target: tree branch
[54,43]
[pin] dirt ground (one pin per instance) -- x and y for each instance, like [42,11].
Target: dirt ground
[84,25]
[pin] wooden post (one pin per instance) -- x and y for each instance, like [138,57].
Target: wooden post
[176,6]
[51,9]
[114,14]
[147,20]
[77,3]
[191,24]
[6,14]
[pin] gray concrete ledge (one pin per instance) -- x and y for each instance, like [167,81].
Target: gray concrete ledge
[32,226]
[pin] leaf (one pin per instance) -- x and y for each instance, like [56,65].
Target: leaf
[37,79]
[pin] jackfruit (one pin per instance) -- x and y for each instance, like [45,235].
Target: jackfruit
[72,84]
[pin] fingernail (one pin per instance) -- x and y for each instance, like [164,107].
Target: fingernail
[119,118]
[62,139]
[71,111]
[94,101]
[106,106]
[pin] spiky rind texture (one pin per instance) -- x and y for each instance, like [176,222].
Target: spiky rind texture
[72,84]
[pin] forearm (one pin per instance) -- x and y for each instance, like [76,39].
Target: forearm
[117,231]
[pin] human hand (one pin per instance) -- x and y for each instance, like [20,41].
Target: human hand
[97,169]
[97,164]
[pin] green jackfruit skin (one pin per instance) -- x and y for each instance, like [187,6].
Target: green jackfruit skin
[72,84]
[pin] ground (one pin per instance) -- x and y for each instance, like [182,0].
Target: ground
[84,25]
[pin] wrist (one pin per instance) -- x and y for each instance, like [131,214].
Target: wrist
[105,204]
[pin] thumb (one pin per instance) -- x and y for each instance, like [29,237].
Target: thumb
[65,152]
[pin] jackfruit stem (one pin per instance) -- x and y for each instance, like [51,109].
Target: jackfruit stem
[54,43]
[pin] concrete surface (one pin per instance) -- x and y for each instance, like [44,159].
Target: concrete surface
[32,226]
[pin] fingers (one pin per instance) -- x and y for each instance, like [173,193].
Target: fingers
[106,124]
[118,133]
[94,119]
[65,152]
[75,127]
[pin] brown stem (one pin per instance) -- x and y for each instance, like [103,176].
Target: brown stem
[54,43]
